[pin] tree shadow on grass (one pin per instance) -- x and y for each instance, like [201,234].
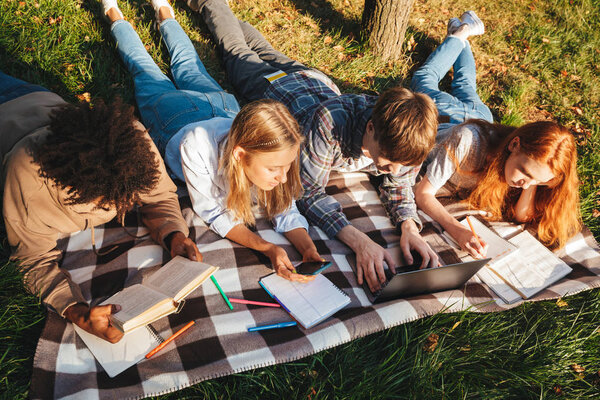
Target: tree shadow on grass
[328,17]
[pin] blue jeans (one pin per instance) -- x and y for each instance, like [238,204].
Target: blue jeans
[166,107]
[463,102]
[11,88]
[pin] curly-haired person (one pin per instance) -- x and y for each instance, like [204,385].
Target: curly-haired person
[69,168]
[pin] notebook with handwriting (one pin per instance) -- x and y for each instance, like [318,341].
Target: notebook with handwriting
[520,267]
[525,273]
[308,303]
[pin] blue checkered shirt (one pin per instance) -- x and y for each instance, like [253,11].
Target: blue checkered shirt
[334,125]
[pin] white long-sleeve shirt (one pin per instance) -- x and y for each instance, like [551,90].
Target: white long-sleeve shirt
[193,155]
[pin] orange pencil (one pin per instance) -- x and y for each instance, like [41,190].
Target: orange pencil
[169,340]
[473,230]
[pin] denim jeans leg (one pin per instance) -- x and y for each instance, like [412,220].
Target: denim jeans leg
[148,79]
[427,78]
[11,88]
[245,69]
[150,83]
[464,86]
[257,42]
[188,71]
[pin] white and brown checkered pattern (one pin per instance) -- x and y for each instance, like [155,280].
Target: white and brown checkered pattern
[219,344]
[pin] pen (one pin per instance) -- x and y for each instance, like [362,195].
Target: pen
[473,230]
[255,303]
[272,326]
[212,278]
[169,340]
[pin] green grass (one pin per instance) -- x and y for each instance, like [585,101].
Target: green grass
[537,60]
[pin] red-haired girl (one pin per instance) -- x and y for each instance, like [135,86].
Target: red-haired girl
[525,175]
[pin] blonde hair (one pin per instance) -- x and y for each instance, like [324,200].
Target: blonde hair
[556,206]
[262,126]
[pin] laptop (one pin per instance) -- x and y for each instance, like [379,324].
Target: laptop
[409,280]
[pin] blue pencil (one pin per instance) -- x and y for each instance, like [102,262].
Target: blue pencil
[272,326]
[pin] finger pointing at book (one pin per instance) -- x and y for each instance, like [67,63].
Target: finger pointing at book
[184,246]
[95,320]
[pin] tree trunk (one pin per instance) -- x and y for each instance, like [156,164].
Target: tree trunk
[384,22]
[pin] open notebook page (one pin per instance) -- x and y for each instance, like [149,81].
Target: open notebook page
[497,246]
[309,303]
[535,269]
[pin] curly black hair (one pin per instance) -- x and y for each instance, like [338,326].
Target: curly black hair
[98,155]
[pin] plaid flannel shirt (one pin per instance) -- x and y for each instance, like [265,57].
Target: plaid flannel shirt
[334,125]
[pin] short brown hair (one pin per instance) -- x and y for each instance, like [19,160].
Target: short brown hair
[405,125]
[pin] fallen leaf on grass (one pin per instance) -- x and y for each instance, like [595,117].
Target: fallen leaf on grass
[338,48]
[557,390]
[561,303]
[577,368]
[577,110]
[327,40]
[56,20]
[456,324]
[431,343]
[545,40]
[595,213]
[84,97]
[564,73]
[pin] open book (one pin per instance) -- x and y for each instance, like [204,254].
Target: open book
[160,295]
[520,267]
[308,303]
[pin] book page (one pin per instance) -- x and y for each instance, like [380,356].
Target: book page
[309,303]
[535,269]
[138,303]
[179,277]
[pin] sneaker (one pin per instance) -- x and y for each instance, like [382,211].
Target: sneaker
[157,4]
[453,25]
[107,5]
[471,19]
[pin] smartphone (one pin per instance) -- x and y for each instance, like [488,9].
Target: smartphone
[312,267]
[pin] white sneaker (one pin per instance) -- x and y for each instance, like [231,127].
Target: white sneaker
[475,25]
[453,25]
[157,4]
[108,4]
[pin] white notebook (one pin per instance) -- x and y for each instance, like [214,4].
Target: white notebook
[117,357]
[526,272]
[308,303]
[520,267]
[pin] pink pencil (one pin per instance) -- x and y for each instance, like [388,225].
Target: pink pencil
[256,303]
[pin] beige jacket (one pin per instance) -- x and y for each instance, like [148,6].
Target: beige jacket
[35,212]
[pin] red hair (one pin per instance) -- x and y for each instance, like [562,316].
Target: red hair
[556,206]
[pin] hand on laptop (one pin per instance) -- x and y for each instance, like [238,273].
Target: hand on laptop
[369,257]
[412,240]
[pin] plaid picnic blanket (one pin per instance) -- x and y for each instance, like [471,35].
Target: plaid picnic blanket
[219,343]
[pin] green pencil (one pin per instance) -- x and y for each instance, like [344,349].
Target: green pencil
[212,278]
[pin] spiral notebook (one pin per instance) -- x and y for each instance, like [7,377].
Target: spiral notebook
[117,357]
[308,303]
